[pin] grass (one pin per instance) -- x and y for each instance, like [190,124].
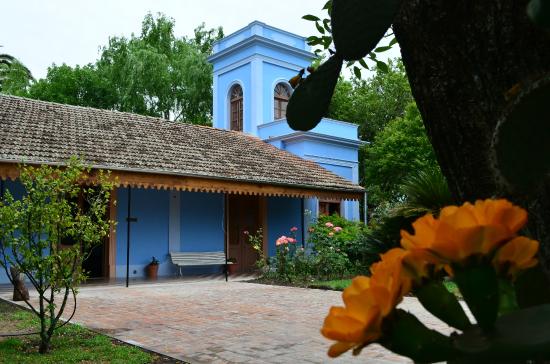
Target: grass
[70,344]
[336,285]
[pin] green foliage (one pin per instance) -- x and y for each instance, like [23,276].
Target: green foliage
[256,241]
[424,191]
[15,78]
[155,73]
[35,228]
[421,192]
[399,150]
[331,252]
[83,86]
[159,74]
[374,102]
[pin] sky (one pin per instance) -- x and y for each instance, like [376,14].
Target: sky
[42,32]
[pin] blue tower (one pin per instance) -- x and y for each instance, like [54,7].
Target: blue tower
[251,71]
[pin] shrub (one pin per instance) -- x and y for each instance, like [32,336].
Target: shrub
[423,192]
[336,246]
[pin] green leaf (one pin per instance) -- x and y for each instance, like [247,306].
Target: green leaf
[363,63]
[310,17]
[358,25]
[310,101]
[520,336]
[312,41]
[393,42]
[327,40]
[507,297]
[326,24]
[479,287]
[405,335]
[357,71]
[382,49]
[539,12]
[442,304]
[382,66]
[522,138]
[320,28]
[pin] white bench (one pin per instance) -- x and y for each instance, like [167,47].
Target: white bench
[199,258]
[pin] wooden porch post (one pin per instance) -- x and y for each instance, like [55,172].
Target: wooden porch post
[111,263]
[263,223]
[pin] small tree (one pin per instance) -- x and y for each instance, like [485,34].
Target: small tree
[49,232]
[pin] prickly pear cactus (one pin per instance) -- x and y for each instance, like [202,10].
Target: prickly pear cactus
[521,153]
[358,25]
[311,99]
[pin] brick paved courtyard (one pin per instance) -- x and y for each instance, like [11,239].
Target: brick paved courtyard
[218,322]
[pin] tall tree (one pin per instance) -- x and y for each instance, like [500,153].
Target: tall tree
[15,78]
[374,101]
[155,73]
[160,74]
[83,86]
[400,150]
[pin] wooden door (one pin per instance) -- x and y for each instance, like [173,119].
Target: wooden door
[243,212]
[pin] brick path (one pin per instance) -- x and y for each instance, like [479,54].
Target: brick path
[218,322]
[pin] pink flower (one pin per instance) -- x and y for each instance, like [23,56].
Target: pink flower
[337,229]
[291,240]
[329,224]
[331,234]
[293,229]
[282,241]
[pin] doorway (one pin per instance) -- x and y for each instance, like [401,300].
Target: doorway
[243,215]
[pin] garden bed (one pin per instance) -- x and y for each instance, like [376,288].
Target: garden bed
[71,343]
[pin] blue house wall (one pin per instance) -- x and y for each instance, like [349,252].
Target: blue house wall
[258,57]
[148,235]
[283,214]
[200,225]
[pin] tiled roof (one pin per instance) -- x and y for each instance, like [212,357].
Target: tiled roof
[34,131]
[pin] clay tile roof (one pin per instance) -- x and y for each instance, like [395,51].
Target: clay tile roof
[33,131]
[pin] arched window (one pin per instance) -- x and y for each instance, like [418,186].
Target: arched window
[236,108]
[282,94]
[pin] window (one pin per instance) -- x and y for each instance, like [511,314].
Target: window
[329,207]
[282,94]
[236,108]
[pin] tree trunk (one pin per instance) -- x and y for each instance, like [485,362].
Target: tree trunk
[461,58]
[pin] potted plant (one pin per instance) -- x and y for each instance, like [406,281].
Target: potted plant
[152,269]
[232,266]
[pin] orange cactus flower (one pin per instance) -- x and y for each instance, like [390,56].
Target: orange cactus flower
[461,232]
[367,302]
[516,255]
